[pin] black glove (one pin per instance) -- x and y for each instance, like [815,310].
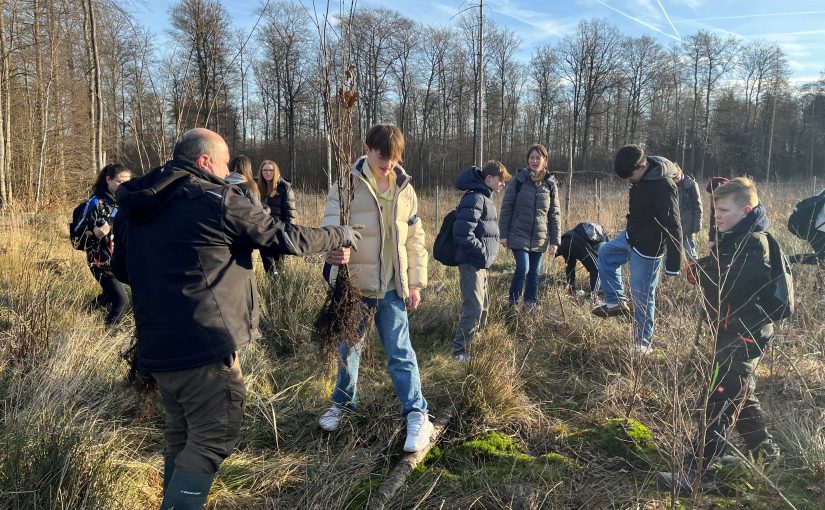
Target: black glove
[349,235]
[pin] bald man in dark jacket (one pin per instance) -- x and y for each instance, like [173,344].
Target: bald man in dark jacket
[185,241]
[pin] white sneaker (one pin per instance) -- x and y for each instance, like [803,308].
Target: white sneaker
[331,420]
[419,430]
[463,357]
[641,349]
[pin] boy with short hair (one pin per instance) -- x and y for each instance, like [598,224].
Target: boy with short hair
[476,236]
[653,228]
[732,279]
[390,269]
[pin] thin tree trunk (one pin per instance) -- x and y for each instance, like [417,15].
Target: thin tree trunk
[4,195]
[90,66]
[98,97]
[770,140]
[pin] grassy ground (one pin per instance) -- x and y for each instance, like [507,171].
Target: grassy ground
[552,412]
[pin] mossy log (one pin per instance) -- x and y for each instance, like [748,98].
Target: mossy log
[399,474]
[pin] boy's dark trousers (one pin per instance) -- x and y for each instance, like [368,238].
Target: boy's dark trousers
[732,399]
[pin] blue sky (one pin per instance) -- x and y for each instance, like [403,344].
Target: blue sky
[797,26]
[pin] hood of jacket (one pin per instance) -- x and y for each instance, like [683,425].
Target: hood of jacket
[236,178]
[144,198]
[659,168]
[470,179]
[402,178]
[756,221]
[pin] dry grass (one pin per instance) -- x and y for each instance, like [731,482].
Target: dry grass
[73,436]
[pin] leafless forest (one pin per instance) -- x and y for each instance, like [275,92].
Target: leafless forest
[83,83]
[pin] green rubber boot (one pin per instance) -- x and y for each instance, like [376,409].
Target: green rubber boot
[187,491]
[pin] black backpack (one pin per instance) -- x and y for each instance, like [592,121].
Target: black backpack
[801,223]
[444,246]
[778,299]
[77,217]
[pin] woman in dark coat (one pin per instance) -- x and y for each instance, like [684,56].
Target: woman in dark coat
[277,194]
[240,174]
[94,233]
[529,223]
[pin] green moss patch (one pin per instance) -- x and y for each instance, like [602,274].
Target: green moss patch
[625,438]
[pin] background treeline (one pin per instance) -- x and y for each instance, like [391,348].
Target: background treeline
[82,83]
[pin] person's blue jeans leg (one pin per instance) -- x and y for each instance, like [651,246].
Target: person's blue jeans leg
[612,256]
[644,278]
[345,394]
[393,330]
[689,245]
[402,365]
[531,286]
[517,285]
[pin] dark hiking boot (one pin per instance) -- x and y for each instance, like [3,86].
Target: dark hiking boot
[612,311]
[684,481]
[187,491]
[767,452]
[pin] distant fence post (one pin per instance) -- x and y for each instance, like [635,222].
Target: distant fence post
[599,201]
[437,217]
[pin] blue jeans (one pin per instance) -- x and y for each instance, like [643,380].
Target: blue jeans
[689,245]
[527,263]
[402,365]
[644,277]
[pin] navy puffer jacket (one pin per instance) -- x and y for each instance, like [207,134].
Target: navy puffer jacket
[475,230]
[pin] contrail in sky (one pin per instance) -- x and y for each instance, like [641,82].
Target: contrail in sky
[668,19]
[637,20]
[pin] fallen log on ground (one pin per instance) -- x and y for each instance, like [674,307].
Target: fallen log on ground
[399,474]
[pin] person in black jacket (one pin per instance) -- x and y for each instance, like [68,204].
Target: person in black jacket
[240,174]
[94,232]
[733,279]
[476,236]
[278,196]
[653,229]
[186,241]
[581,244]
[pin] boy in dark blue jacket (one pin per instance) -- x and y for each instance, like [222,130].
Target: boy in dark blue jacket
[476,236]
[653,229]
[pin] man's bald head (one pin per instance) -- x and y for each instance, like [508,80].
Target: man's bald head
[206,149]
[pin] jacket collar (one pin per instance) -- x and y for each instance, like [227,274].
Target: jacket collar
[402,178]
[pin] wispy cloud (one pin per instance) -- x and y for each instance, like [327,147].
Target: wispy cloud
[765,15]
[547,26]
[639,21]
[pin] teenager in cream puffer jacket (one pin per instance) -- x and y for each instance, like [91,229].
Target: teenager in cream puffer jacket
[366,265]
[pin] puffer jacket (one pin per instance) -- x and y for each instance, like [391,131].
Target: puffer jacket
[282,205]
[735,273]
[475,230]
[185,241]
[410,261]
[529,214]
[690,206]
[653,224]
